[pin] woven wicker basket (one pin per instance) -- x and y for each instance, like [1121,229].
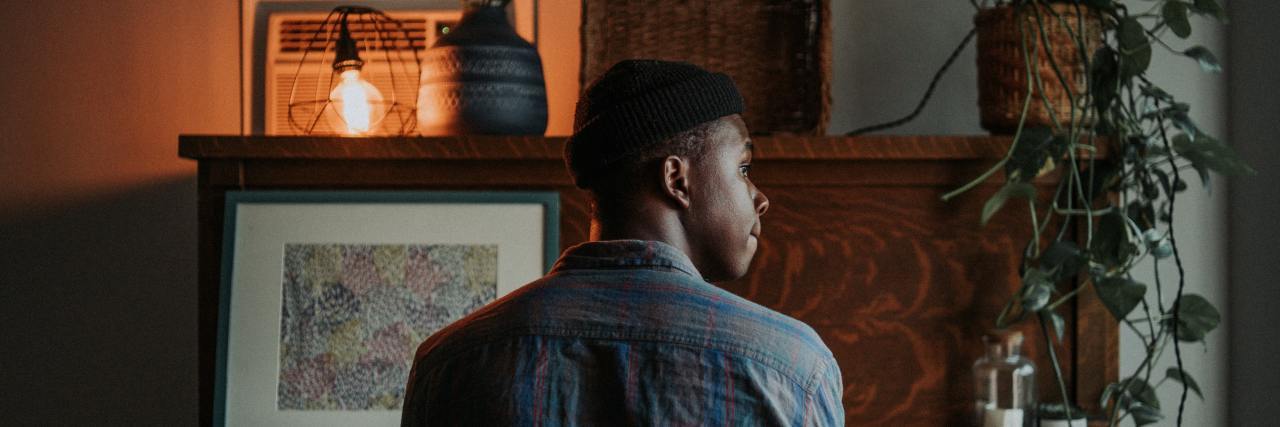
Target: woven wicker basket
[778,52]
[1002,71]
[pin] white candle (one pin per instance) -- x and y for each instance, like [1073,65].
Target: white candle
[993,417]
[1081,422]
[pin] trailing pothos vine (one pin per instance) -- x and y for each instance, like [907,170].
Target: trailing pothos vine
[1121,152]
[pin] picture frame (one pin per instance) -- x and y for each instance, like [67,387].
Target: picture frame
[326,294]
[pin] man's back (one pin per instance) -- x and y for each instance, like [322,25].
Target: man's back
[624,333]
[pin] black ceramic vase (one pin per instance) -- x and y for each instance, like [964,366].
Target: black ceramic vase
[482,78]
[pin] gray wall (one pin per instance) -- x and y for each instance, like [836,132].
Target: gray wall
[884,54]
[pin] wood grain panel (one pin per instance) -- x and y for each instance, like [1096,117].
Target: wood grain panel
[402,173]
[900,285]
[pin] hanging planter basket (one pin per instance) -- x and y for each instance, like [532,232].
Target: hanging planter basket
[1047,33]
[777,52]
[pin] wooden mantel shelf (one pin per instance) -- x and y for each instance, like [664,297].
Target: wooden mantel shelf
[532,147]
[857,243]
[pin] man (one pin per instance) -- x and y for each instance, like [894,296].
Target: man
[626,329]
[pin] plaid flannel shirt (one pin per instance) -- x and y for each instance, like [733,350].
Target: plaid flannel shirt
[624,333]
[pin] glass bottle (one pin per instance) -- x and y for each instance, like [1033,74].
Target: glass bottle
[1004,383]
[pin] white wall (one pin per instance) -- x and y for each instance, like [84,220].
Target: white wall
[885,53]
[1201,231]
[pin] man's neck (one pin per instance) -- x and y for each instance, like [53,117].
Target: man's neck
[662,228]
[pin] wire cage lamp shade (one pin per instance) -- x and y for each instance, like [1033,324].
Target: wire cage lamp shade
[358,76]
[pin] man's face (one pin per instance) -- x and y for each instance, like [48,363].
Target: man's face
[725,208]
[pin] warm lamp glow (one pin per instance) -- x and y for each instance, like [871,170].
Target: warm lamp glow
[356,105]
[343,100]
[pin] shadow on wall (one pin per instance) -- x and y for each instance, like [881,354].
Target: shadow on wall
[98,310]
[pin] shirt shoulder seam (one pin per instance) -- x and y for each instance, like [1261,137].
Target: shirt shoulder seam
[807,384]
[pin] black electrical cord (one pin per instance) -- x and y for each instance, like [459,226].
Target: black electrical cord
[927,94]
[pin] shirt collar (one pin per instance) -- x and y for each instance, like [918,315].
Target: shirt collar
[625,254]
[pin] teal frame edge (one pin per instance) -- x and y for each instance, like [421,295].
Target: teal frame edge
[550,201]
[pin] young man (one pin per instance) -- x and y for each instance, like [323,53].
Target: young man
[626,329]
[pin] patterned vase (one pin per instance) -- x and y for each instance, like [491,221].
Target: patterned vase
[482,78]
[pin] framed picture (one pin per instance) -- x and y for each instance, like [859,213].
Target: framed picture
[326,295]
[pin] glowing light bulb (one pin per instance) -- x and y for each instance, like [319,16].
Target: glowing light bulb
[356,105]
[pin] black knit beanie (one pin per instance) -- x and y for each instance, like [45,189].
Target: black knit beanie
[641,102]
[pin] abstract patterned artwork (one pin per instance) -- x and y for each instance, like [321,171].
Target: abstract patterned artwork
[352,316]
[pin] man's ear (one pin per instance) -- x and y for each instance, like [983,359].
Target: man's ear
[675,180]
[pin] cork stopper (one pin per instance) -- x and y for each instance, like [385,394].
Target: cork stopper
[1002,342]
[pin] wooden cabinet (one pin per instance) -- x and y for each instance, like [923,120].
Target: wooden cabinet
[857,243]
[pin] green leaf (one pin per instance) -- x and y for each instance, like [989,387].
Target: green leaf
[1120,295]
[1183,377]
[1207,152]
[1142,213]
[1010,189]
[1204,176]
[1151,193]
[1105,176]
[1063,259]
[1157,93]
[1135,62]
[1130,33]
[1173,110]
[1034,147]
[1201,169]
[1184,122]
[1036,289]
[1143,415]
[1208,62]
[1135,396]
[1163,178]
[1111,243]
[1210,8]
[1135,50]
[1175,16]
[1104,72]
[1140,391]
[1196,318]
[1169,110]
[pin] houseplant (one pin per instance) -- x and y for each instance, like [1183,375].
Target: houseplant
[1122,201]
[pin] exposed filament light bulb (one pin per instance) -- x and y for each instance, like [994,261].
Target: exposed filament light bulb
[357,104]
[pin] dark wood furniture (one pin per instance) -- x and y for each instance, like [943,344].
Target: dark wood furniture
[857,244]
